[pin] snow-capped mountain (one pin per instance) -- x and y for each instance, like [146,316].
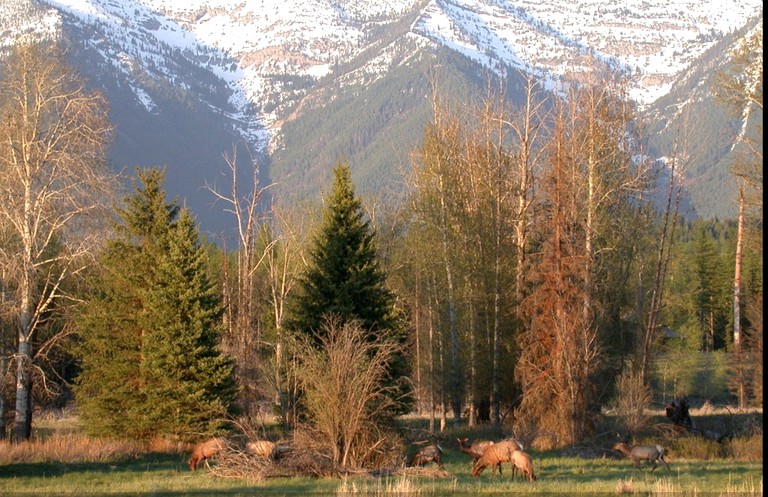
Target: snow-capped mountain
[287,78]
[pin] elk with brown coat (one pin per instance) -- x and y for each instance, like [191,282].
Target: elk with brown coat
[475,449]
[522,461]
[430,453]
[206,450]
[495,455]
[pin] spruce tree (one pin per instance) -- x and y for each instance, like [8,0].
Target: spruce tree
[110,387]
[131,334]
[345,283]
[344,278]
[190,384]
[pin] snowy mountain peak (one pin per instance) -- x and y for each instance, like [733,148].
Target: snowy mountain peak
[254,66]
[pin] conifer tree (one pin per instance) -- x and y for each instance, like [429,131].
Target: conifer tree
[345,282]
[190,384]
[110,388]
[148,353]
[344,278]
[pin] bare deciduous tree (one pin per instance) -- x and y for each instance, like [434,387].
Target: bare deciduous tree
[242,334]
[53,182]
[285,245]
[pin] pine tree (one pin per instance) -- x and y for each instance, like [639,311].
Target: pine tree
[345,282]
[344,278]
[149,329]
[190,384]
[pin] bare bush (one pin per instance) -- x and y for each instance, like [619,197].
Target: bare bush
[633,398]
[349,406]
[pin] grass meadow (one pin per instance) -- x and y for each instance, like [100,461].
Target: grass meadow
[61,461]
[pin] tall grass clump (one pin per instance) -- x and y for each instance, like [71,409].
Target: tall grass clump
[70,448]
[398,486]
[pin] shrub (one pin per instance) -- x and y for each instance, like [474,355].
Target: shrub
[349,409]
[696,447]
[633,398]
[746,448]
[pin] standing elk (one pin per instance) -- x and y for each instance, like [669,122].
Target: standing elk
[475,449]
[495,455]
[204,451]
[425,455]
[650,453]
[522,462]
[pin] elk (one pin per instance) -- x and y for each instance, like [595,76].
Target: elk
[475,449]
[522,461]
[650,453]
[261,448]
[494,455]
[430,453]
[204,451]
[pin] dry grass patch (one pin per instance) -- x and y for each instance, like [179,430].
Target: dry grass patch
[71,448]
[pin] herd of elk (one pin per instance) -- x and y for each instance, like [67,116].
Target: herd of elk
[505,451]
[484,453]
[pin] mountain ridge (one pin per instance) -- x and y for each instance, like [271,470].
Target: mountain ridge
[200,78]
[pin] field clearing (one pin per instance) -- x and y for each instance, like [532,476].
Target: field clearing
[168,474]
[60,460]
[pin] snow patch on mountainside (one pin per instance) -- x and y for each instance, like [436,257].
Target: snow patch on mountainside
[257,46]
[652,41]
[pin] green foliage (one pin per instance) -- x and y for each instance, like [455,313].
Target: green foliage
[190,385]
[693,374]
[344,278]
[149,328]
[699,293]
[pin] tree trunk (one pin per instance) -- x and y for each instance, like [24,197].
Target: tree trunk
[22,429]
[3,405]
[741,389]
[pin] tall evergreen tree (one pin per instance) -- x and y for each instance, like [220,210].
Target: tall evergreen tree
[344,277]
[345,281]
[110,388]
[151,313]
[708,293]
[190,385]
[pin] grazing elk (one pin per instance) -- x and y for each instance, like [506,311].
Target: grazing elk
[475,449]
[205,450]
[495,455]
[425,455]
[650,453]
[522,461]
[261,448]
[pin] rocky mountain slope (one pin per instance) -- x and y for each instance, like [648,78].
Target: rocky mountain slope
[297,85]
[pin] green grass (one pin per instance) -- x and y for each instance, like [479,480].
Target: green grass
[167,474]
